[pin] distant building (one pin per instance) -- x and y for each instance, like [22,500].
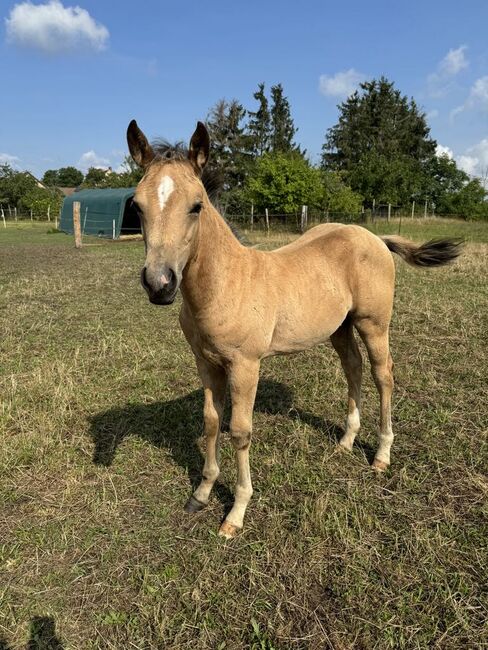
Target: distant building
[39,183]
[67,191]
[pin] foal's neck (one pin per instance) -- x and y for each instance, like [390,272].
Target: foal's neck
[214,260]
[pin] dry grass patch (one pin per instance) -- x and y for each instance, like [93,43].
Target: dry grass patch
[100,446]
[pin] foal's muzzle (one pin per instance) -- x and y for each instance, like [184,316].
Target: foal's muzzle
[161,285]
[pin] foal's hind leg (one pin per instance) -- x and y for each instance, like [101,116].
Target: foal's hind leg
[346,347]
[375,337]
[214,382]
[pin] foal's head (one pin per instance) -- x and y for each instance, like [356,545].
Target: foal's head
[169,199]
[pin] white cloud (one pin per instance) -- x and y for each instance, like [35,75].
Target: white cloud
[52,28]
[477,98]
[440,82]
[91,159]
[475,160]
[440,150]
[479,93]
[454,61]
[467,164]
[342,84]
[7,159]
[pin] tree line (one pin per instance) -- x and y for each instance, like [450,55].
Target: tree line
[379,152]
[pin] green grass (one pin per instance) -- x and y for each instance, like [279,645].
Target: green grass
[100,422]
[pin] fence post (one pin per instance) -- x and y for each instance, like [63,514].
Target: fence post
[113,228]
[413,209]
[252,215]
[3,217]
[9,211]
[76,223]
[267,219]
[389,212]
[31,214]
[425,209]
[373,214]
[49,212]
[84,221]
[15,213]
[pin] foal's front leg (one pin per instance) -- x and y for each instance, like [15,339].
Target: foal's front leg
[243,379]
[214,382]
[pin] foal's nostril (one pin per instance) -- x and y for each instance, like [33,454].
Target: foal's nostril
[169,277]
[162,281]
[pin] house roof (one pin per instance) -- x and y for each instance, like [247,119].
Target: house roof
[67,191]
[38,182]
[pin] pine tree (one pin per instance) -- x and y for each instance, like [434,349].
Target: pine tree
[259,125]
[381,143]
[230,146]
[282,127]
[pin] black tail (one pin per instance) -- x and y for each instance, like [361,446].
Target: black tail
[435,252]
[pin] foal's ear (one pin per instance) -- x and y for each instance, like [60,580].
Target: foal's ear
[140,149]
[199,147]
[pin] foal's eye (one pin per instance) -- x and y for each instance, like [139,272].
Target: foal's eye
[196,209]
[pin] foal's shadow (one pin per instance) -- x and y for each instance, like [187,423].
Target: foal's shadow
[178,424]
[42,635]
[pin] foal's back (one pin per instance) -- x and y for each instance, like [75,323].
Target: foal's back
[340,258]
[313,283]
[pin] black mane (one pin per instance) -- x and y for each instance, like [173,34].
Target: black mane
[211,177]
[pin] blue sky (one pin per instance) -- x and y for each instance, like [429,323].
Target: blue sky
[74,75]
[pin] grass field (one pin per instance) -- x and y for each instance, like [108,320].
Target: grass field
[100,445]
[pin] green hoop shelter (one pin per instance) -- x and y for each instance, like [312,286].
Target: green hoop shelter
[103,213]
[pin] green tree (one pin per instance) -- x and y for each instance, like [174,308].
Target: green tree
[230,149]
[381,143]
[69,177]
[282,127]
[259,125]
[131,173]
[445,181]
[51,177]
[95,177]
[14,185]
[470,202]
[338,197]
[39,200]
[283,182]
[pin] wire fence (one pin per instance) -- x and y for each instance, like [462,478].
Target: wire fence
[303,219]
[13,214]
[105,224]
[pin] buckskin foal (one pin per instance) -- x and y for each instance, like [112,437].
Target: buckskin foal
[241,305]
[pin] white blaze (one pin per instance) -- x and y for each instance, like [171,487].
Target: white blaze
[164,190]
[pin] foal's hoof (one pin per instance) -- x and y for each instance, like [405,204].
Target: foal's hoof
[194,505]
[228,530]
[379,465]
